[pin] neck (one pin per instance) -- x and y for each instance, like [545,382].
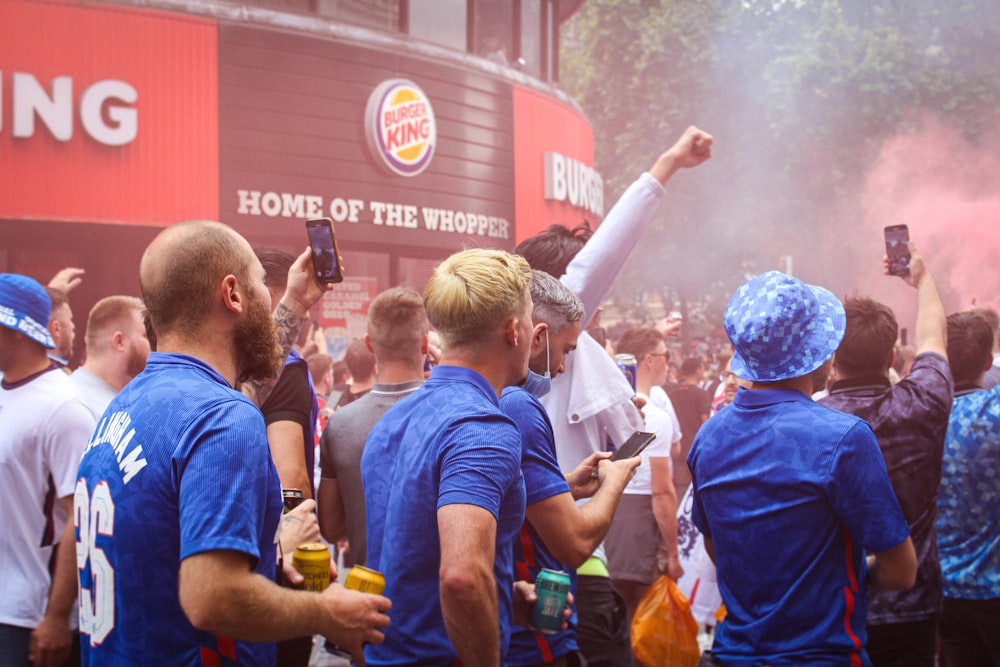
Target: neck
[643,384]
[803,384]
[209,349]
[27,362]
[488,361]
[397,372]
[363,385]
[884,373]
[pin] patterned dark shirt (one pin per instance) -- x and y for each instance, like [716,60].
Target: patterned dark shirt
[910,420]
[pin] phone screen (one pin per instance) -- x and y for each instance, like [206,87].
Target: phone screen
[897,239]
[326,256]
[637,442]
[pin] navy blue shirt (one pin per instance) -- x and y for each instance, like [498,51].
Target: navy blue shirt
[909,419]
[447,443]
[542,480]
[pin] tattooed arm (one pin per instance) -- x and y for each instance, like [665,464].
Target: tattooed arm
[301,293]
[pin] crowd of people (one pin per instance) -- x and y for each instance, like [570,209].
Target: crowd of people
[830,496]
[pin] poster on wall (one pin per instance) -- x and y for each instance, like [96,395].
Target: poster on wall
[344,313]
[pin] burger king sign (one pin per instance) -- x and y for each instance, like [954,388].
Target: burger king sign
[400,126]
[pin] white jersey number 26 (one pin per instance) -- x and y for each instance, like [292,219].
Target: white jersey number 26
[95,516]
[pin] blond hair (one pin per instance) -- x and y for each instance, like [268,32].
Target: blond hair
[108,315]
[397,324]
[473,291]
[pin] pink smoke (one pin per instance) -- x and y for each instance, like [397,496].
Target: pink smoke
[946,190]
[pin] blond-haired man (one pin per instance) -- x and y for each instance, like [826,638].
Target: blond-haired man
[442,473]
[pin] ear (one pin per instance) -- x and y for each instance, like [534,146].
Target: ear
[509,330]
[368,343]
[118,340]
[538,335]
[892,359]
[425,344]
[232,296]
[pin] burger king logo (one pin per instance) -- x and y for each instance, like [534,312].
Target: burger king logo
[400,126]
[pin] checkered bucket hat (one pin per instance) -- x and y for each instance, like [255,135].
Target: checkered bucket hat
[25,307]
[782,328]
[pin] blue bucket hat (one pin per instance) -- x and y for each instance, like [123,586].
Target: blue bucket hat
[782,328]
[25,307]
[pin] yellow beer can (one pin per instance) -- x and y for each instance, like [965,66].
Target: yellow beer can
[312,560]
[366,580]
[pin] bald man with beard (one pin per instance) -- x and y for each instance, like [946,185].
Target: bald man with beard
[177,499]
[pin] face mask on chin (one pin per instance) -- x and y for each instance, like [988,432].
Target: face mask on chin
[539,385]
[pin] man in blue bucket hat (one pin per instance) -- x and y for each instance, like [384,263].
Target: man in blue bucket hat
[43,431]
[792,496]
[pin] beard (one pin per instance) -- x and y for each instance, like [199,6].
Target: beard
[135,362]
[258,355]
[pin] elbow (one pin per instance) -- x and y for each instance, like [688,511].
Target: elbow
[202,610]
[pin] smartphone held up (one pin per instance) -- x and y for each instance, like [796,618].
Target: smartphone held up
[897,249]
[325,253]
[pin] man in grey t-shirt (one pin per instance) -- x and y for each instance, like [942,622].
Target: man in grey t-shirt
[397,335]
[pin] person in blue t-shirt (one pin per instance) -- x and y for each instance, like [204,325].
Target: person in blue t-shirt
[556,534]
[792,497]
[968,524]
[441,472]
[177,500]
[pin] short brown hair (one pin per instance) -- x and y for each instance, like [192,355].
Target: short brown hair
[639,342]
[869,338]
[397,324]
[109,314]
[970,345]
[360,360]
[319,364]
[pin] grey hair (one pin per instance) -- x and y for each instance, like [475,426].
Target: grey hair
[554,303]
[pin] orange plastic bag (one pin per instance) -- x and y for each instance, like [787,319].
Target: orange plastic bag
[664,633]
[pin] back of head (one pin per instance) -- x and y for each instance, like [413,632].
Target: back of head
[110,314]
[970,346]
[992,318]
[181,271]
[58,298]
[319,364]
[276,263]
[869,339]
[397,324]
[639,342]
[360,360]
[553,302]
[471,293]
[552,250]
[691,366]
[340,372]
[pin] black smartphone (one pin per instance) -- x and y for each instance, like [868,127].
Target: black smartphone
[637,442]
[897,248]
[326,255]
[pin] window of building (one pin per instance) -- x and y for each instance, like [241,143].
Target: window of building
[443,22]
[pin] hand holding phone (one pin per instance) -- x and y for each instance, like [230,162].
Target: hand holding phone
[326,254]
[897,249]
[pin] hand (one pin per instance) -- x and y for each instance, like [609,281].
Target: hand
[693,148]
[50,643]
[298,526]
[354,619]
[918,269]
[583,480]
[67,279]
[303,290]
[525,598]
[673,568]
[618,472]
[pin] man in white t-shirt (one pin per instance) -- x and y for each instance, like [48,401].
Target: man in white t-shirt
[43,431]
[648,508]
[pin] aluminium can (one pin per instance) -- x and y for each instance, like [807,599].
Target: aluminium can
[552,588]
[627,364]
[366,580]
[291,498]
[312,560]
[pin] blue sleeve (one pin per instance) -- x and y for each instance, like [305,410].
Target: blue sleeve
[222,470]
[861,493]
[542,476]
[480,459]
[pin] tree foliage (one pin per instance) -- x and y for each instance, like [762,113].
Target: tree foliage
[800,95]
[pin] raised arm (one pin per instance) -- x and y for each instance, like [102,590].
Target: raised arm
[931,333]
[596,267]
